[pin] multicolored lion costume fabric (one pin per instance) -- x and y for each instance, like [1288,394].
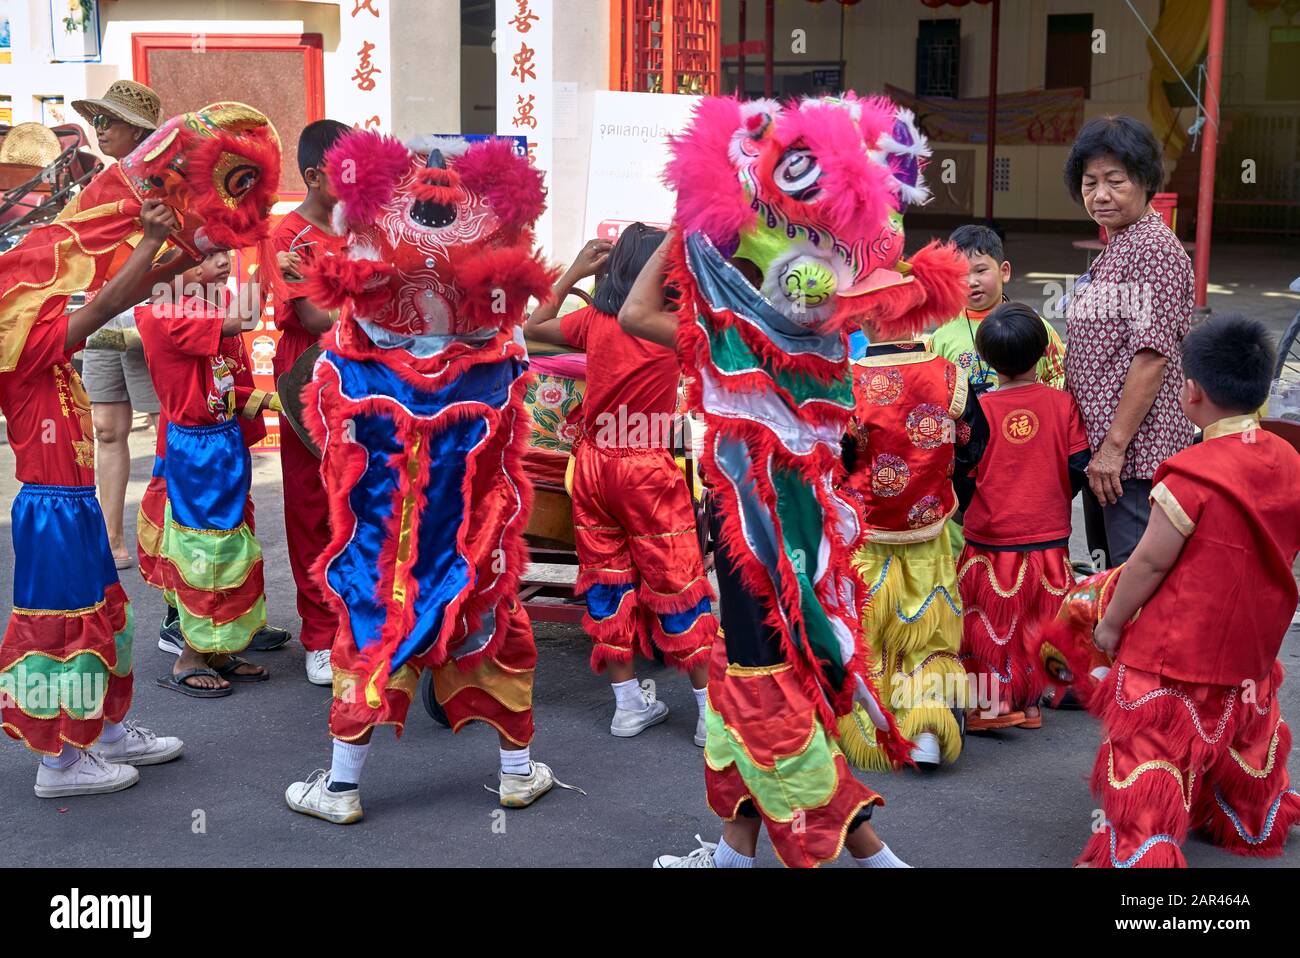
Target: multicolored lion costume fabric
[416,402]
[65,662]
[790,223]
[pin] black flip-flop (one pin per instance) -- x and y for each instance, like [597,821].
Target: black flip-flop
[228,672]
[177,684]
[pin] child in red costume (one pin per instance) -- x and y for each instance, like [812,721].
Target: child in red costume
[191,336]
[1016,564]
[303,236]
[1193,732]
[65,658]
[640,564]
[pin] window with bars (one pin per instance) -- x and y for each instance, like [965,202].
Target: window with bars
[680,39]
[938,57]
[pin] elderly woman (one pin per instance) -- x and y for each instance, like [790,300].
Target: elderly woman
[1125,321]
[113,366]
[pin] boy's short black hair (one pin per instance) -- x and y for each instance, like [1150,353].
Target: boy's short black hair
[1231,357]
[974,239]
[1128,140]
[636,244]
[315,140]
[1011,339]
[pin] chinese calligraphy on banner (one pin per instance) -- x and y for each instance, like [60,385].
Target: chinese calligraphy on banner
[359,92]
[525,93]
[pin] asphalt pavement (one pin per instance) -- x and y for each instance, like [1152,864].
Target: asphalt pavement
[1016,798]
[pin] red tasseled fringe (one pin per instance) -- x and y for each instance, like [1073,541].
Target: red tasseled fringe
[510,183]
[430,373]
[683,601]
[364,168]
[590,577]
[1164,855]
[366,285]
[246,224]
[485,276]
[1153,795]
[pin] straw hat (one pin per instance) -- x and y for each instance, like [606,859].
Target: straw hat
[30,144]
[130,102]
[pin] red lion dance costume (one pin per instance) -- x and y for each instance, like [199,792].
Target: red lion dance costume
[417,405]
[65,662]
[809,195]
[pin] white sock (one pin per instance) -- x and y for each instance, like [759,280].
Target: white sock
[113,732]
[727,857]
[515,761]
[348,760]
[628,695]
[882,859]
[63,760]
[701,697]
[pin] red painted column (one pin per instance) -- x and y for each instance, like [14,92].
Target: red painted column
[740,66]
[1209,150]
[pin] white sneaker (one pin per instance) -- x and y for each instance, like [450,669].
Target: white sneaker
[313,798]
[140,746]
[927,752]
[318,668]
[702,857]
[88,775]
[701,732]
[520,791]
[629,722]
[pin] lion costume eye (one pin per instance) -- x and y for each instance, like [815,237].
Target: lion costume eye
[797,173]
[233,178]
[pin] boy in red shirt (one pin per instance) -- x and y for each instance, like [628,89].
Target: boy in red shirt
[1193,732]
[302,236]
[208,563]
[1015,566]
[640,567]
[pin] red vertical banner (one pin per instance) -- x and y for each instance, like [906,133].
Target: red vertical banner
[260,341]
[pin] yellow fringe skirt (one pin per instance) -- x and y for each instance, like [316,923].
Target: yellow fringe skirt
[912,628]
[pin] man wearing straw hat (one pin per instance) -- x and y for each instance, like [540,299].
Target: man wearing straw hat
[113,366]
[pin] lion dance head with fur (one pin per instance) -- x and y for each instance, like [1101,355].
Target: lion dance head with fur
[812,193]
[440,240]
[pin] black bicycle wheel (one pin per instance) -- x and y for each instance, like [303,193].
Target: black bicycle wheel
[1288,353]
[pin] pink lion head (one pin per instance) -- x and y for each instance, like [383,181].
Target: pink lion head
[812,193]
[438,234]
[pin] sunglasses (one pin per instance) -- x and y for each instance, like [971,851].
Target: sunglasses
[102,121]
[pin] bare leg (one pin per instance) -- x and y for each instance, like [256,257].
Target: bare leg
[863,842]
[618,672]
[741,835]
[700,680]
[112,421]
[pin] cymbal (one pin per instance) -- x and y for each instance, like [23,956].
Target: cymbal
[290,386]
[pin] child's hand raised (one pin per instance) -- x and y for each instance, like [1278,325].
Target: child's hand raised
[289,264]
[592,258]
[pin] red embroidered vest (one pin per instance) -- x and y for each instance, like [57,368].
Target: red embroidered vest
[906,406]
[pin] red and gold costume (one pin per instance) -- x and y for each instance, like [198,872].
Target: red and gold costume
[809,194]
[1194,736]
[306,506]
[640,568]
[65,661]
[904,430]
[1015,567]
[416,403]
